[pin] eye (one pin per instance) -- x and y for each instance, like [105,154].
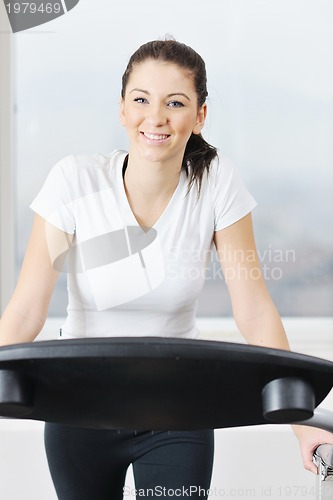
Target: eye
[175,104]
[140,100]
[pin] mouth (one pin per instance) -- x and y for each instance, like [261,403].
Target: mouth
[155,138]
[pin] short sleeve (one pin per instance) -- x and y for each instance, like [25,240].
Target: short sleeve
[54,202]
[232,200]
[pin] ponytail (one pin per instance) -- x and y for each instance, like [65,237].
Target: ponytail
[197,159]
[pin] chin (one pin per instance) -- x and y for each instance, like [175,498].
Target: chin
[154,156]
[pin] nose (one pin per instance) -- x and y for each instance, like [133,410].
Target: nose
[156,115]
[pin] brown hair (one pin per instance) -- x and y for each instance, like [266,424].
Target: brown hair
[198,153]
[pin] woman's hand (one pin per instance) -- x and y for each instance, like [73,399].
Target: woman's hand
[309,439]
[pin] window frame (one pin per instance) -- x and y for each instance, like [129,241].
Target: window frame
[7,167]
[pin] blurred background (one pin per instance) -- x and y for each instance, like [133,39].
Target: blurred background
[270,82]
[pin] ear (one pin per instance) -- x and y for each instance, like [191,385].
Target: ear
[122,112]
[201,117]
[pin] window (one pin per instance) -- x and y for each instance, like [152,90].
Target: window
[270,74]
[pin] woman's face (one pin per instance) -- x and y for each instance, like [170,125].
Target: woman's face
[160,111]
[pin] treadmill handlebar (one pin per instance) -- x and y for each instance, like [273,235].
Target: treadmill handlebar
[323,458]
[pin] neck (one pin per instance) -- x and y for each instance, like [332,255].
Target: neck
[152,180]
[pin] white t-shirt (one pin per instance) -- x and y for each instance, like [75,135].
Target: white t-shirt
[122,280]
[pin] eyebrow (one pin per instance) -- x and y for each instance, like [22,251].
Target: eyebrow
[169,95]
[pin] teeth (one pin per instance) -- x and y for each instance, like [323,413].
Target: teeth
[155,137]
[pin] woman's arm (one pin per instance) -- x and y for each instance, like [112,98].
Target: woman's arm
[26,311]
[254,311]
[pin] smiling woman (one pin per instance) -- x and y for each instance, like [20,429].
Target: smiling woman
[171,194]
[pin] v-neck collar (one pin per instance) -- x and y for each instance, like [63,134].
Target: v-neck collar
[126,207]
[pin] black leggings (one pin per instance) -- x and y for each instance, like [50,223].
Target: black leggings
[89,464]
